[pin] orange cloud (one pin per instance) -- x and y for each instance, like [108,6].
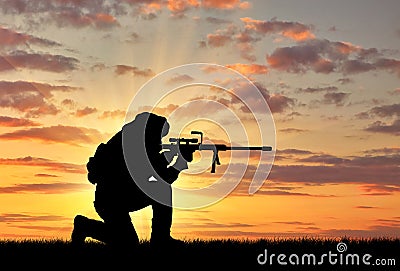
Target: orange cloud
[180,78]
[246,50]
[44,188]
[26,217]
[85,111]
[105,18]
[379,189]
[16,122]
[45,175]
[113,114]
[45,163]
[147,9]
[222,36]
[298,36]
[68,103]
[177,7]
[249,69]
[163,111]
[57,134]
[347,47]
[292,130]
[218,39]
[225,4]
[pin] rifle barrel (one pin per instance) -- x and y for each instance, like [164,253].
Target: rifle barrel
[240,148]
[219,147]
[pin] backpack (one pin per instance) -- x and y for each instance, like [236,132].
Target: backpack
[98,164]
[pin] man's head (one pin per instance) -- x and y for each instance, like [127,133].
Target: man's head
[155,126]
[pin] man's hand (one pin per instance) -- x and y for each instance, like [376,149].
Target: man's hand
[187,154]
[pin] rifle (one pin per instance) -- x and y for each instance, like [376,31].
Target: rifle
[190,145]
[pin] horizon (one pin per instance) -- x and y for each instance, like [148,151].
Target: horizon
[329,72]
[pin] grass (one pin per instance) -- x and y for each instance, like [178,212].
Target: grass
[197,254]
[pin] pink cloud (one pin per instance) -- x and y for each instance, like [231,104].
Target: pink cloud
[33,105]
[31,98]
[292,30]
[318,168]
[386,110]
[102,14]
[254,30]
[78,19]
[14,87]
[11,38]
[385,128]
[97,14]
[333,174]
[218,39]
[336,98]
[298,59]
[324,56]
[278,103]
[37,61]
[125,69]
[392,65]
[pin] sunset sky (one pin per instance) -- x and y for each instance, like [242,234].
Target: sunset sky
[329,71]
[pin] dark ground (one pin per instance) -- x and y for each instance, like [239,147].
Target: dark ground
[196,255]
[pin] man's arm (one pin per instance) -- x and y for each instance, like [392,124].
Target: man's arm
[168,173]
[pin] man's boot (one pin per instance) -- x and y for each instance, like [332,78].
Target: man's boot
[161,235]
[85,227]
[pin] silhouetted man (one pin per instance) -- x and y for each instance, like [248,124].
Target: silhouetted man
[135,151]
